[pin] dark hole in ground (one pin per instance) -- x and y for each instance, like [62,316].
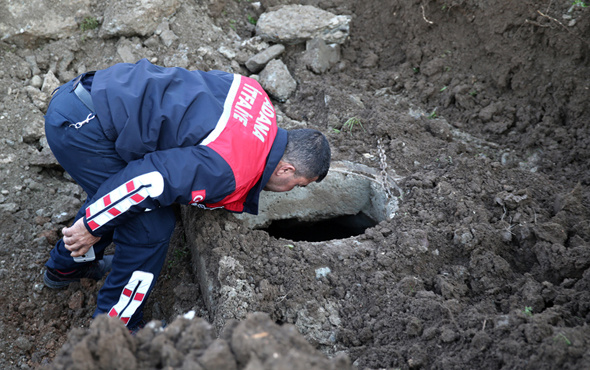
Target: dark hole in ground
[316,231]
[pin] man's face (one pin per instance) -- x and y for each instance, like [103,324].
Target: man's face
[286,183]
[284,179]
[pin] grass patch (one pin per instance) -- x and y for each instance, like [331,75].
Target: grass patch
[89,23]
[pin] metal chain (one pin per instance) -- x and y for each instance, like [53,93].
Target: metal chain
[383,164]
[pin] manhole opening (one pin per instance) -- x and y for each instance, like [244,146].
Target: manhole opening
[349,200]
[316,231]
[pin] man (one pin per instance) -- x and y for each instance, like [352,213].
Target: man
[138,138]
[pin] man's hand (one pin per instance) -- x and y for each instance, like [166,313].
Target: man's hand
[77,239]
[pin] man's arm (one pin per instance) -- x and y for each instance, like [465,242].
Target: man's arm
[158,179]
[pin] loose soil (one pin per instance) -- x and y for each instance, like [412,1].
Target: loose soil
[481,109]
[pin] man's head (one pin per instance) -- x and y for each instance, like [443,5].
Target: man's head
[306,159]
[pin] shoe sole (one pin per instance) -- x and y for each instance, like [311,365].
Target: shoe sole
[105,267]
[54,284]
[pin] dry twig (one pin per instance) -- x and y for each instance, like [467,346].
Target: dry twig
[424,15]
[562,25]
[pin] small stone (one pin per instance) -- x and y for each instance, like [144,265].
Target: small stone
[168,37]
[9,207]
[36,81]
[276,79]
[23,343]
[258,61]
[76,300]
[227,52]
[322,272]
[50,83]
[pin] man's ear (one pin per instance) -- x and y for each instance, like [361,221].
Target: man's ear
[285,169]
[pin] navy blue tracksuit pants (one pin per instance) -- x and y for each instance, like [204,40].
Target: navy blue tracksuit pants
[141,244]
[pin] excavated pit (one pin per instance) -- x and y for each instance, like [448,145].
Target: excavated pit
[339,227]
[245,263]
[349,200]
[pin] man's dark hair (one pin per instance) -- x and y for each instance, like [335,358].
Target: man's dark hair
[309,152]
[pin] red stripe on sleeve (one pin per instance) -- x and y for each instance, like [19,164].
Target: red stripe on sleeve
[93,225]
[130,186]
[114,211]
[107,200]
[137,198]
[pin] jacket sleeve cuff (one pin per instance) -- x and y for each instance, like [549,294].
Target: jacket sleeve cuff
[89,229]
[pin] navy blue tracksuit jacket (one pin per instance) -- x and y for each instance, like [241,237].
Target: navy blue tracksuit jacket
[158,136]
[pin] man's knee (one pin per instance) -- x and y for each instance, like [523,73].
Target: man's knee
[147,229]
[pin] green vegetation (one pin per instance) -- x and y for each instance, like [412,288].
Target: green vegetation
[89,23]
[580,3]
[252,20]
[562,336]
[528,310]
[351,123]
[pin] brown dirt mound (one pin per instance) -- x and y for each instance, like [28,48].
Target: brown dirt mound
[254,343]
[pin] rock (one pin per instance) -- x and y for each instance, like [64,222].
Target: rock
[33,129]
[50,236]
[277,81]
[293,24]
[76,300]
[36,81]
[319,57]
[178,59]
[45,157]
[255,44]
[125,52]
[66,58]
[38,98]
[26,23]
[50,83]
[70,206]
[227,52]
[168,37]
[23,343]
[130,18]
[258,61]
[32,60]
[9,207]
